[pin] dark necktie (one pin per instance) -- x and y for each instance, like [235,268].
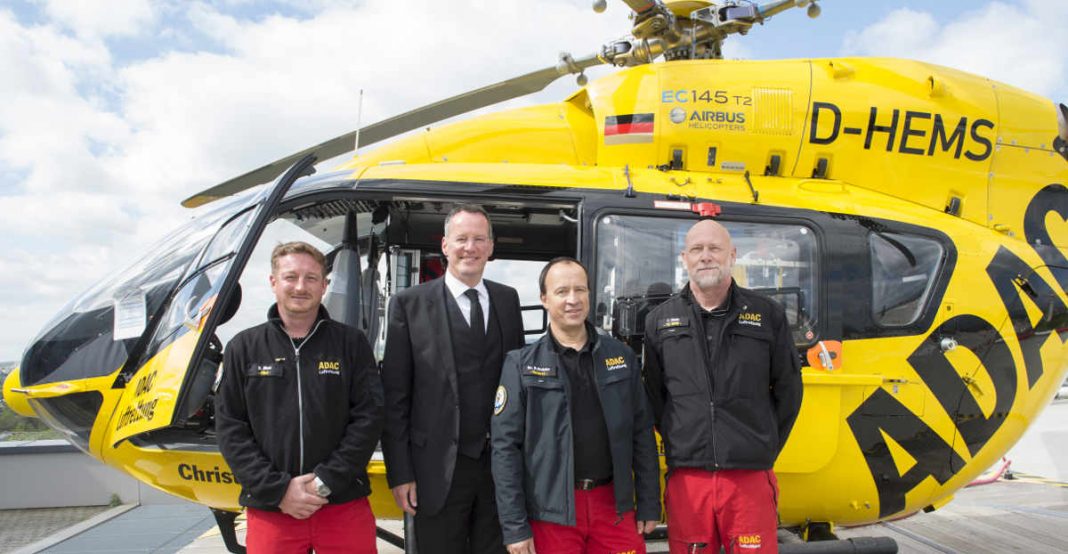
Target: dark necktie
[478,322]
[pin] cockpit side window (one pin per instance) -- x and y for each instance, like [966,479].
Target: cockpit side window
[638,266]
[903,271]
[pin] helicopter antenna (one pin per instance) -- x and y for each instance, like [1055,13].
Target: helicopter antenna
[752,189]
[359,120]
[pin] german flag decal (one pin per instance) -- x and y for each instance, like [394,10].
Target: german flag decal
[628,129]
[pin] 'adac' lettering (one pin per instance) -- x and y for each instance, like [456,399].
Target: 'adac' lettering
[1011,276]
[1053,198]
[881,415]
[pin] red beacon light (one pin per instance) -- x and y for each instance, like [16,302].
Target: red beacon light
[706,209]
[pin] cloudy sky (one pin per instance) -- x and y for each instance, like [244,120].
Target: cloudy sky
[113,111]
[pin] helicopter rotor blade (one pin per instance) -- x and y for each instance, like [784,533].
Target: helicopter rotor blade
[388,128]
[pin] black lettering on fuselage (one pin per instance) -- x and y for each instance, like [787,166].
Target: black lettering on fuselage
[955,395]
[908,134]
[988,147]
[1052,198]
[881,413]
[1014,279]
[938,136]
[817,107]
[890,130]
[190,472]
[908,131]
[1011,276]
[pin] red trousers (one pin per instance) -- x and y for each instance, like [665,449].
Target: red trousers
[598,529]
[734,508]
[348,527]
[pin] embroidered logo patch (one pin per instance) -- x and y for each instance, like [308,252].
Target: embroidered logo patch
[749,542]
[619,362]
[329,368]
[750,318]
[500,400]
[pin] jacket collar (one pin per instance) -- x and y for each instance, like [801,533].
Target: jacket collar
[274,317]
[591,339]
[732,297]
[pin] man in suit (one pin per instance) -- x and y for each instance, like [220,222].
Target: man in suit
[444,349]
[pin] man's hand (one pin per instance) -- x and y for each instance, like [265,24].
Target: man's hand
[646,527]
[522,547]
[298,502]
[404,496]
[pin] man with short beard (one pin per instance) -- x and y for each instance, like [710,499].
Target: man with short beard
[296,418]
[724,381]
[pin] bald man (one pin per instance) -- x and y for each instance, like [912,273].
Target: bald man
[724,381]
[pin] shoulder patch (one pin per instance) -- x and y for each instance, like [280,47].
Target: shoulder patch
[500,400]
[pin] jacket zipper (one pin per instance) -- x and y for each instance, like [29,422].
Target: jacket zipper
[300,395]
[570,465]
[703,342]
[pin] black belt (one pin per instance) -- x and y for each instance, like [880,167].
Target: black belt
[589,484]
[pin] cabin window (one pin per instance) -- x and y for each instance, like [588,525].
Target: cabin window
[903,269]
[638,266]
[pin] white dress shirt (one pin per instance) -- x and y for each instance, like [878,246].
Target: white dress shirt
[457,289]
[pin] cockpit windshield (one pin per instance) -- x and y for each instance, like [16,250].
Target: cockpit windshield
[81,340]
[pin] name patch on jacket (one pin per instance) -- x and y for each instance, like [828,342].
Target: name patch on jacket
[539,371]
[619,362]
[264,370]
[750,318]
[329,368]
[672,322]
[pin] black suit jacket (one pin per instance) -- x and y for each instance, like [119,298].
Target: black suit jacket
[422,429]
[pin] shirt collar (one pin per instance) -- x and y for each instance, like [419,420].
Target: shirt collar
[457,288]
[720,311]
[591,340]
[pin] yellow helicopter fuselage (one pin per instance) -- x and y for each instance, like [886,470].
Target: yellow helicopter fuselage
[909,413]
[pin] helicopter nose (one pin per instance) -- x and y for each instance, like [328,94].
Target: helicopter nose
[18,402]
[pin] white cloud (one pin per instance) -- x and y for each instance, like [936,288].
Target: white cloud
[102,149]
[1019,44]
[101,18]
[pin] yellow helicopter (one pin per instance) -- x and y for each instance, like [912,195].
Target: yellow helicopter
[911,218]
